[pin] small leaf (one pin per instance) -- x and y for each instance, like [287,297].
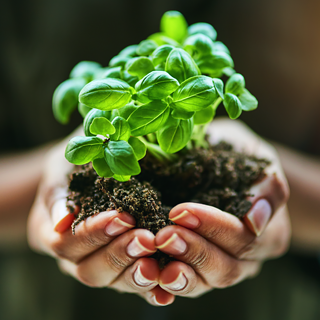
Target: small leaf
[119,61]
[139,148]
[179,114]
[81,150]
[121,178]
[248,101]
[160,55]
[128,78]
[175,134]
[139,66]
[111,73]
[232,105]
[106,94]
[127,110]
[180,65]
[65,98]
[129,51]
[203,28]
[121,158]
[146,47]
[91,115]
[219,46]
[235,84]
[160,38]
[102,126]
[199,44]
[122,127]
[174,25]
[194,94]
[214,61]
[83,110]
[148,118]
[156,85]
[218,84]
[85,69]
[102,168]
[204,116]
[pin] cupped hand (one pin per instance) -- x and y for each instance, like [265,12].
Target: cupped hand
[215,249]
[105,251]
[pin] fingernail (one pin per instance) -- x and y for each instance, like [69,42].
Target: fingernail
[177,284]
[117,226]
[136,249]
[141,280]
[187,219]
[174,245]
[259,216]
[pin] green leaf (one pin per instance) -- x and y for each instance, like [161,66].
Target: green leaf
[91,115]
[127,110]
[160,38]
[235,84]
[203,28]
[81,150]
[65,99]
[129,51]
[180,65]
[199,44]
[102,126]
[174,25]
[119,61]
[180,114]
[146,47]
[148,118]
[218,84]
[160,55]
[139,148]
[194,94]
[248,101]
[121,178]
[111,73]
[139,66]
[219,46]
[155,86]
[214,61]
[232,105]
[121,158]
[85,69]
[160,67]
[122,127]
[130,79]
[228,71]
[204,116]
[83,110]
[106,94]
[175,134]
[102,168]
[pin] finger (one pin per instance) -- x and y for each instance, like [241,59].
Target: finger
[104,266]
[142,276]
[273,242]
[158,297]
[180,279]
[215,266]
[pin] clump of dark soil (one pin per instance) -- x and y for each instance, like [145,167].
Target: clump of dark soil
[219,177]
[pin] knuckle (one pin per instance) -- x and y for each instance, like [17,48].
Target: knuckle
[201,259]
[230,277]
[58,246]
[117,263]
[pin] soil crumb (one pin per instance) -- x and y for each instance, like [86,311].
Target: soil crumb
[218,177]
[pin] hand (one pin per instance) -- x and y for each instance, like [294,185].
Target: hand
[104,252]
[215,249]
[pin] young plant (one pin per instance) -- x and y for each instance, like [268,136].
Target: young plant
[156,96]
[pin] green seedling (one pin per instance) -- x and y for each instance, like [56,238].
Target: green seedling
[156,96]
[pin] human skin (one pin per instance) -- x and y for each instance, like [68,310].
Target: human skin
[213,248]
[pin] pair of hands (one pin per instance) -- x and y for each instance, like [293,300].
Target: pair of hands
[213,248]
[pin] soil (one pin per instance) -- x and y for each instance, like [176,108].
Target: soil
[218,177]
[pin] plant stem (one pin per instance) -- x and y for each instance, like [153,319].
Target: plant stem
[157,152]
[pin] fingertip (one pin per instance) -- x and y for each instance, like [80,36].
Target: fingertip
[61,217]
[159,297]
